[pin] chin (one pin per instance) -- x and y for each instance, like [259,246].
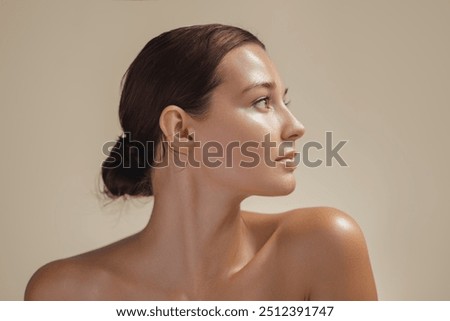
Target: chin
[286,190]
[280,188]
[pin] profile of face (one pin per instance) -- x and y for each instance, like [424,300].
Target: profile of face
[249,104]
[222,96]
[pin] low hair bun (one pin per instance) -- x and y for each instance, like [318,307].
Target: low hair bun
[125,171]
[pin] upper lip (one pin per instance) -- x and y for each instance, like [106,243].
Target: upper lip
[288,155]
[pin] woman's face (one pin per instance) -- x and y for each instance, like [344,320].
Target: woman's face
[247,107]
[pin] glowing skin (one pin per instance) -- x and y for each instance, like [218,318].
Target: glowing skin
[234,116]
[198,243]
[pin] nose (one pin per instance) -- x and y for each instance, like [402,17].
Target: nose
[292,128]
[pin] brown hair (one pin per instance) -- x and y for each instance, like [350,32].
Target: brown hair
[178,67]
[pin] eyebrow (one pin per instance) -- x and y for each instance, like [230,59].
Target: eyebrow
[265,84]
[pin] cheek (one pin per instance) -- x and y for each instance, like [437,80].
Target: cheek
[239,164]
[243,168]
[240,126]
[237,140]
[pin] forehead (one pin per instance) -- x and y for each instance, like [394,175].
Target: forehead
[246,65]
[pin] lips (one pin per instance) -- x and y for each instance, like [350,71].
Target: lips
[288,156]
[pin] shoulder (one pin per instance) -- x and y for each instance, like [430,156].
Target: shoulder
[53,280]
[328,222]
[308,231]
[67,279]
[329,245]
[99,274]
[301,223]
[88,276]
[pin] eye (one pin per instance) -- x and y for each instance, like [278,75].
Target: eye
[262,103]
[286,103]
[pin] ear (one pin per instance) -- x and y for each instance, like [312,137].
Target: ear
[175,122]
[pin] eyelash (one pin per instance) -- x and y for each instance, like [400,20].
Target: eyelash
[267,99]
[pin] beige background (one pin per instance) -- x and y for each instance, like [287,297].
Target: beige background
[376,73]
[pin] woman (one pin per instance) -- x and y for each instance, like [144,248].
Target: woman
[206,125]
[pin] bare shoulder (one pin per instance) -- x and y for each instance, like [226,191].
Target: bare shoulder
[58,280]
[311,225]
[87,276]
[328,246]
[306,222]
[333,242]
[319,222]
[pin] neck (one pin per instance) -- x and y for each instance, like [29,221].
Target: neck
[196,228]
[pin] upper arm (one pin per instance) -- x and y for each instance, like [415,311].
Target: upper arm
[342,269]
